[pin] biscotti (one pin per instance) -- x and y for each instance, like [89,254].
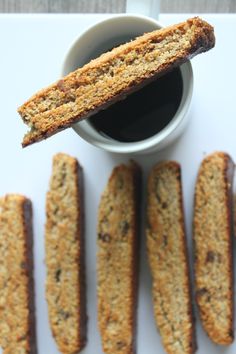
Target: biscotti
[113,76]
[168,259]
[213,247]
[17,308]
[117,260]
[64,234]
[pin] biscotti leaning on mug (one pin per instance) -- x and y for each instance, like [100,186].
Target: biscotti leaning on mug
[112,76]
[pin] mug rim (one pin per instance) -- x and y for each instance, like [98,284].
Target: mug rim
[111,18]
[86,131]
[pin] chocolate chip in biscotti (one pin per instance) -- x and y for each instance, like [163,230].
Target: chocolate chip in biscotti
[203,294]
[120,345]
[58,275]
[124,227]
[213,256]
[104,237]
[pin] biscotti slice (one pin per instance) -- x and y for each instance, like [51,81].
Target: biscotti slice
[213,247]
[117,260]
[112,76]
[17,308]
[168,259]
[64,234]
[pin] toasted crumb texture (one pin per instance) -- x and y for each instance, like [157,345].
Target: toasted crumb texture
[117,260]
[168,259]
[17,311]
[213,247]
[113,76]
[65,284]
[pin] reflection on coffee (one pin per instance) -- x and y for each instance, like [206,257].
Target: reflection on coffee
[143,113]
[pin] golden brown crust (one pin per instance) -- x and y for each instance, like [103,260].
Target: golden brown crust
[113,76]
[213,247]
[17,307]
[65,285]
[117,260]
[168,259]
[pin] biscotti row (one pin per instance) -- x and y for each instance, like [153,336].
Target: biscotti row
[118,239]
[213,249]
[118,258]
[65,281]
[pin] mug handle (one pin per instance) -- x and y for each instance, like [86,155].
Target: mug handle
[150,8]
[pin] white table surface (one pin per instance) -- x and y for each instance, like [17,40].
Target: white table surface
[32,51]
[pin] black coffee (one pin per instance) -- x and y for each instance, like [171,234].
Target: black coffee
[143,113]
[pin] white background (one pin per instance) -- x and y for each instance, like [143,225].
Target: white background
[31,55]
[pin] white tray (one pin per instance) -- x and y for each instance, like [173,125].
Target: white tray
[32,51]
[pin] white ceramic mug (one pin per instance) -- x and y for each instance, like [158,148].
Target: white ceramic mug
[105,35]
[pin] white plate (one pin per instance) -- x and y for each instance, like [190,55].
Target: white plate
[32,51]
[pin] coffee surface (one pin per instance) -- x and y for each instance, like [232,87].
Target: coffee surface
[143,113]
